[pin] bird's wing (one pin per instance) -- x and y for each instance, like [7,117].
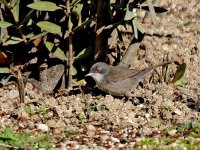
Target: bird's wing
[114,75]
[121,73]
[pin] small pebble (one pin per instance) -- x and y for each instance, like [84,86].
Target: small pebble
[172,132]
[115,139]
[13,94]
[91,127]
[178,112]
[42,127]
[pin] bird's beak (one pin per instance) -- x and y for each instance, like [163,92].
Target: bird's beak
[89,74]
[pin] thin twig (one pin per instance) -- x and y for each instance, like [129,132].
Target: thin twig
[20,85]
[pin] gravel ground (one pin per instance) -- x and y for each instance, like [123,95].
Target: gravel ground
[85,121]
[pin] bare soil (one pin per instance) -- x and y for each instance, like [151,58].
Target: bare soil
[84,121]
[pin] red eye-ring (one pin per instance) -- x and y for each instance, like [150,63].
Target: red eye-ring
[97,70]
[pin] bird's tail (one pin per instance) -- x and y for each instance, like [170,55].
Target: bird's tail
[145,71]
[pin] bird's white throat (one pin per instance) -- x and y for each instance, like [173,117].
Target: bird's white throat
[96,76]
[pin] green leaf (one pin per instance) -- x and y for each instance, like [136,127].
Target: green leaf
[75,2]
[135,29]
[152,11]
[83,54]
[11,40]
[180,82]
[27,17]
[77,11]
[5,3]
[80,82]
[129,13]
[58,53]
[30,35]
[83,24]
[5,70]
[139,25]
[37,36]
[179,73]
[5,79]
[43,6]
[49,45]
[5,24]
[15,9]
[49,27]
[30,22]
[73,70]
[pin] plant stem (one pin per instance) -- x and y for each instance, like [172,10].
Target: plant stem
[101,41]
[70,56]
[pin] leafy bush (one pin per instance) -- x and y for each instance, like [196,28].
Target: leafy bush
[75,31]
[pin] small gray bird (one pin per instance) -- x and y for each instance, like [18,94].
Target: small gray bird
[118,80]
